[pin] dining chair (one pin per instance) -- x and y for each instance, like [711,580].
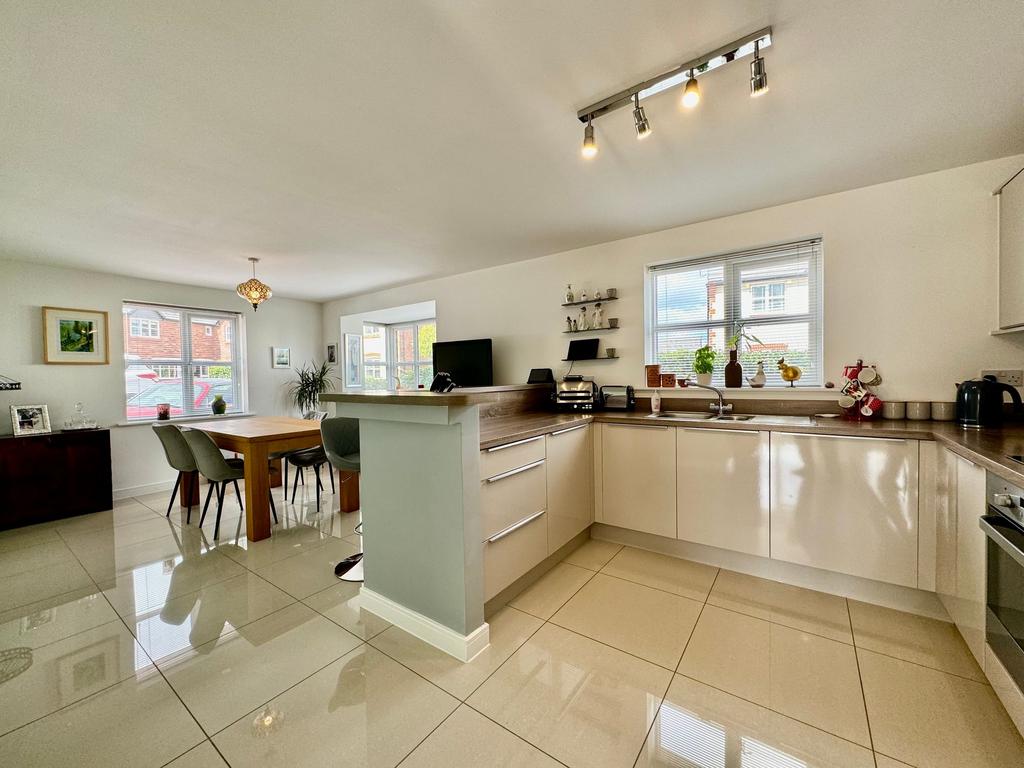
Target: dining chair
[341,446]
[219,471]
[283,455]
[179,457]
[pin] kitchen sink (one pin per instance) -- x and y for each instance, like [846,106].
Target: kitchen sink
[682,415]
[734,417]
[793,421]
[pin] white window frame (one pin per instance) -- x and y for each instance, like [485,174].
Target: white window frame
[393,362]
[189,365]
[732,300]
[142,323]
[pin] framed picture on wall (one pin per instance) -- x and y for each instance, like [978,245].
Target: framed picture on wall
[281,357]
[30,420]
[332,353]
[353,360]
[75,336]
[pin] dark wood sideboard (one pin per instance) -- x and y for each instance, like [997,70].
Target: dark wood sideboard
[47,477]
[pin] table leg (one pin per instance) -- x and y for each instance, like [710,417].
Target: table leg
[188,495]
[257,493]
[348,487]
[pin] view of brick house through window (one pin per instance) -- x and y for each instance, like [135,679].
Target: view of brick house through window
[182,356]
[402,353]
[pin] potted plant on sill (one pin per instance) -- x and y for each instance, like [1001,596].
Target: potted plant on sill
[314,380]
[704,364]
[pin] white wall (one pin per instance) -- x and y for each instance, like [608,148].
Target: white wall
[910,283]
[136,456]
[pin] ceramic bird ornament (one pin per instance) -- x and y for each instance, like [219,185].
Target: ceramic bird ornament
[790,373]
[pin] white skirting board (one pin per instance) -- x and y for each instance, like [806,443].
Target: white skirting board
[462,647]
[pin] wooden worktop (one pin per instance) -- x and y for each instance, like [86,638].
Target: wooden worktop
[460,396]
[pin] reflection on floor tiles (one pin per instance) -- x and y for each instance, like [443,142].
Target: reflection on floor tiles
[131,638]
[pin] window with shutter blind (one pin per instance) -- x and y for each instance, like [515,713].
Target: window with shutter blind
[773,295]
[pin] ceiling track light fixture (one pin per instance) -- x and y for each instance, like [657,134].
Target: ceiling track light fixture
[684,75]
[643,126]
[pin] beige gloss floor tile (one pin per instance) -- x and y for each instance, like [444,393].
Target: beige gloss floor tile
[807,677]
[552,590]
[105,561]
[340,603]
[55,618]
[261,660]
[881,761]
[112,539]
[593,555]
[41,583]
[467,739]
[202,756]
[126,514]
[68,670]
[680,577]
[26,559]
[29,536]
[645,622]
[283,543]
[303,575]
[919,639]
[931,719]
[803,609]
[148,586]
[509,629]
[362,710]
[198,617]
[700,725]
[579,701]
[138,723]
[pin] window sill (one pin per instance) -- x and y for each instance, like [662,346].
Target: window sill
[181,419]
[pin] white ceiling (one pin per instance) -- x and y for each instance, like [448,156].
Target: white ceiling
[353,145]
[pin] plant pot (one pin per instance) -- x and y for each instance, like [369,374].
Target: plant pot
[219,406]
[704,379]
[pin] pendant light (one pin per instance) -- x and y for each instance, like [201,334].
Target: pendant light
[643,126]
[589,149]
[691,93]
[758,76]
[253,290]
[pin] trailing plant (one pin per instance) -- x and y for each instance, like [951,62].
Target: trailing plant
[314,380]
[704,359]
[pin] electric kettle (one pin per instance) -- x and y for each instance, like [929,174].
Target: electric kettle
[979,403]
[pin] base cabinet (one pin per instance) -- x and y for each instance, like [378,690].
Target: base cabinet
[722,489]
[846,504]
[967,609]
[570,484]
[639,477]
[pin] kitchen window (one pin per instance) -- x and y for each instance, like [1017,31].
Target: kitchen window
[402,352]
[190,360]
[772,296]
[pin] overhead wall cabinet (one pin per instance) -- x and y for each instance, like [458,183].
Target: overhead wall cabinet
[1011,254]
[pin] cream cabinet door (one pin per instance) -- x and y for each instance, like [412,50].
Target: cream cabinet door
[570,478]
[638,464]
[968,609]
[846,504]
[722,489]
[1011,253]
[945,526]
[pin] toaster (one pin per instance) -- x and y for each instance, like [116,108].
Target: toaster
[618,398]
[576,394]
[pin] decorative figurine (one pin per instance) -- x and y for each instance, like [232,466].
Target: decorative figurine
[575,327]
[569,298]
[597,318]
[568,323]
[583,295]
[597,296]
[583,319]
[790,373]
[758,379]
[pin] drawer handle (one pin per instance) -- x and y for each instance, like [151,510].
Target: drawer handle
[637,426]
[846,437]
[512,445]
[514,527]
[706,429]
[570,429]
[515,471]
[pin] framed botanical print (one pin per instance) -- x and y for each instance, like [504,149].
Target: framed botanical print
[30,420]
[75,336]
[353,360]
[281,357]
[332,353]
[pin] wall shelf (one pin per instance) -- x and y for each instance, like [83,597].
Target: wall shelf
[594,330]
[591,301]
[589,359]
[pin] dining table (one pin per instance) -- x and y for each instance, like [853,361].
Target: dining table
[255,438]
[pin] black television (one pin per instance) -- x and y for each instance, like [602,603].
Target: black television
[468,362]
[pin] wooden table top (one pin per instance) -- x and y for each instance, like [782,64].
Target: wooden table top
[258,428]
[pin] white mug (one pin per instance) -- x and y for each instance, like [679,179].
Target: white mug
[869,376]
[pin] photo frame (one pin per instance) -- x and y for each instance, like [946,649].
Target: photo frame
[353,360]
[332,353]
[75,336]
[281,357]
[30,420]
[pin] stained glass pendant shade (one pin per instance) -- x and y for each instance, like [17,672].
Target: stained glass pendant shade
[252,290]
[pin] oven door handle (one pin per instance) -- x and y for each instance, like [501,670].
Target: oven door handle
[997,536]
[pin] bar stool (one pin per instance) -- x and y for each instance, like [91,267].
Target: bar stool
[341,445]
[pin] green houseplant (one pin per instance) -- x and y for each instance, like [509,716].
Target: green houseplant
[313,381]
[704,364]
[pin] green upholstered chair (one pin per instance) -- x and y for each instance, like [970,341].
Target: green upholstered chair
[178,456]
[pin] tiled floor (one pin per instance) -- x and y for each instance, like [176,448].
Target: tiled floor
[132,640]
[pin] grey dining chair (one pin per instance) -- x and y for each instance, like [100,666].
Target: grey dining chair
[283,455]
[179,456]
[219,471]
[341,446]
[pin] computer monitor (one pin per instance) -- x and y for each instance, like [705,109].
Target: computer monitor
[468,362]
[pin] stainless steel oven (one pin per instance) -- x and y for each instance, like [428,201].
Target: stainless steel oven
[1004,568]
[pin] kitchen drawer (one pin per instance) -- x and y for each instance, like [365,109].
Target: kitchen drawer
[512,554]
[508,497]
[502,458]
